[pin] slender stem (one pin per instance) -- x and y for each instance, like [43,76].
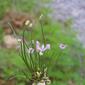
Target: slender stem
[22,56]
[24,51]
[43,37]
[39,60]
[31,37]
[30,56]
[12,28]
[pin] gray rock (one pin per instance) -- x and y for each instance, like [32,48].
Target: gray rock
[64,9]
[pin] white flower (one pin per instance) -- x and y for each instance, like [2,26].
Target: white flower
[40,16]
[30,50]
[30,25]
[48,81]
[41,83]
[62,46]
[19,40]
[27,22]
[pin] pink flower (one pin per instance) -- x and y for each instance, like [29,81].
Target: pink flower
[38,46]
[48,46]
[62,46]
[42,48]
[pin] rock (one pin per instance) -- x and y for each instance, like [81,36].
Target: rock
[11,81]
[70,82]
[74,9]
[17,19]
[10,41]
[2,82]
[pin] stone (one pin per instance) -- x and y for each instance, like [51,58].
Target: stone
[10,41]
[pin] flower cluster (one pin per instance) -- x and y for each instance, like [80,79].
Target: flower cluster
[31,53]
[28,23]
[39,48]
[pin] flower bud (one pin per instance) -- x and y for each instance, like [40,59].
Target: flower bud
[27,22]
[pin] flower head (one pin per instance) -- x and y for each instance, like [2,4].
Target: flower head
[30,50]
[30,25]
[19,40]
[41,48]
[40,16]
[27,22]
[41,83]
[62,46]
[48,46]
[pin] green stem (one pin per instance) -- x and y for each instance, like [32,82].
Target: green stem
[12,28]
[43,37]
[24,52]
[22,56]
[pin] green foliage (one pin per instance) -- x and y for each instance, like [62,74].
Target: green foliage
[18,5]
[4,6]
[63,64]
[24,5]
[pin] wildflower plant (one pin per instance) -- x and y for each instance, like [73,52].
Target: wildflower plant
[31,53]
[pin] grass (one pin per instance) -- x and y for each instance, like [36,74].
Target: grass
[63,65]
[4,6]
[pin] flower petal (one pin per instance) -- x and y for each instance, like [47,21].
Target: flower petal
[48,46]
[62,46]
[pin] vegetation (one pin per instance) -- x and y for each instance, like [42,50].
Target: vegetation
[63,65]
